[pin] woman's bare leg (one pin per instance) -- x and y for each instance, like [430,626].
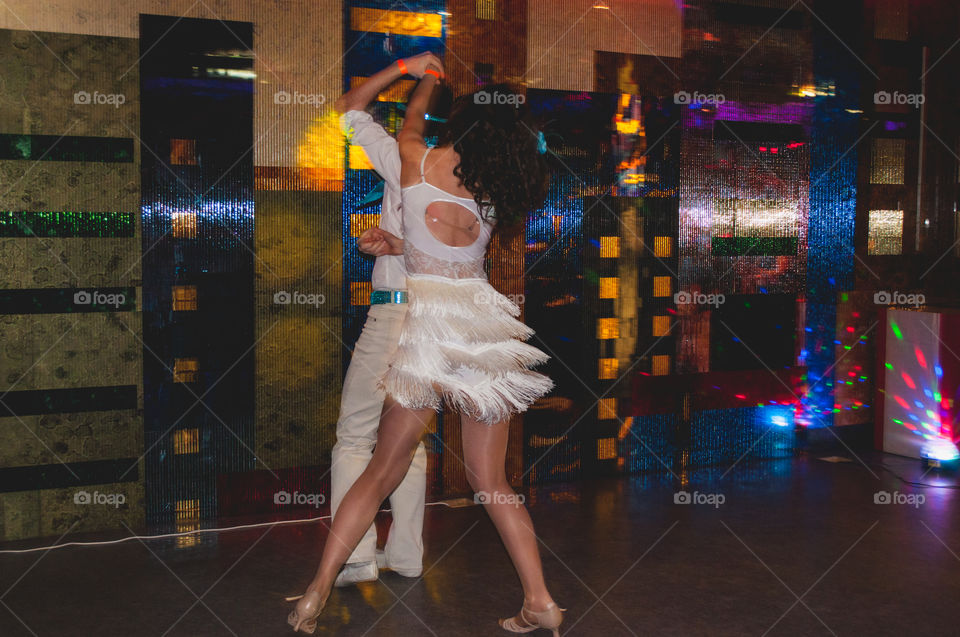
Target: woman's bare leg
[397,440]
[484,453]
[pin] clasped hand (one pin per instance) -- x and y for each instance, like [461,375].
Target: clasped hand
[378,242]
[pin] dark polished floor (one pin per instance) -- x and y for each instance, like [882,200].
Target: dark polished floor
[798,548]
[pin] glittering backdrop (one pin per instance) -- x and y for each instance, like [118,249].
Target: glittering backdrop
[197,218]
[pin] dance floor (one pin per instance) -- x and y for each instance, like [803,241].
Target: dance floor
[798,547]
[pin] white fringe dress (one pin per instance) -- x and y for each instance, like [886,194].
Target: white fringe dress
[460,342]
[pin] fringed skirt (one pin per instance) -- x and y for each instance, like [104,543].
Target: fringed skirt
[461,344]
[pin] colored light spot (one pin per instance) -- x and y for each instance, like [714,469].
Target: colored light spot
[901,402]
[888,365]
[909,426]
[938,370]
[909,381]
[920,358]
[896,330]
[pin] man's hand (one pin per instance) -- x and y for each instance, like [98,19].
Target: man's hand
[378,242]
[418,64]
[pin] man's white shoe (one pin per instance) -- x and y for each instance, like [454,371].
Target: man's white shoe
[406,572]
[356,573]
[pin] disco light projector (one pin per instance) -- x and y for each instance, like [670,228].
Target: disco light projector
[940,453]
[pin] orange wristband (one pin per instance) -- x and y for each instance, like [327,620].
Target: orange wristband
[435,73]
[402,65]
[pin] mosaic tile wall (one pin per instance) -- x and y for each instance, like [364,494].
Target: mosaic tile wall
[71,371]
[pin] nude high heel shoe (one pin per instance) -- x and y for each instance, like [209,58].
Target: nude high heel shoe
[528,620]
[303,618]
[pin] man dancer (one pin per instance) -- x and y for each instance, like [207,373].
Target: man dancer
[362,399]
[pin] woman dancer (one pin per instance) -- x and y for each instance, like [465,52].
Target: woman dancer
[460,343]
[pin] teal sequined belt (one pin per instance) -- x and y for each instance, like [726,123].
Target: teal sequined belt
[378,297]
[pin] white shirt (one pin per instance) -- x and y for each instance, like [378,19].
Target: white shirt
[389,272]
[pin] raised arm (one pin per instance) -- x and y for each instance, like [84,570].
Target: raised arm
[414,122]
[357,98]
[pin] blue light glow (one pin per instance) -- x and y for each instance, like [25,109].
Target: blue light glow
[940,449]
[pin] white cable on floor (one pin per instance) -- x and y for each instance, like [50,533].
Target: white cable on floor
[194,532]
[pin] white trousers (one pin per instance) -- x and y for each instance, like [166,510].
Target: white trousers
[360,408]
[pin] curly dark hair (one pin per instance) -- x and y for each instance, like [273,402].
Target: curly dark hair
[500,163]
